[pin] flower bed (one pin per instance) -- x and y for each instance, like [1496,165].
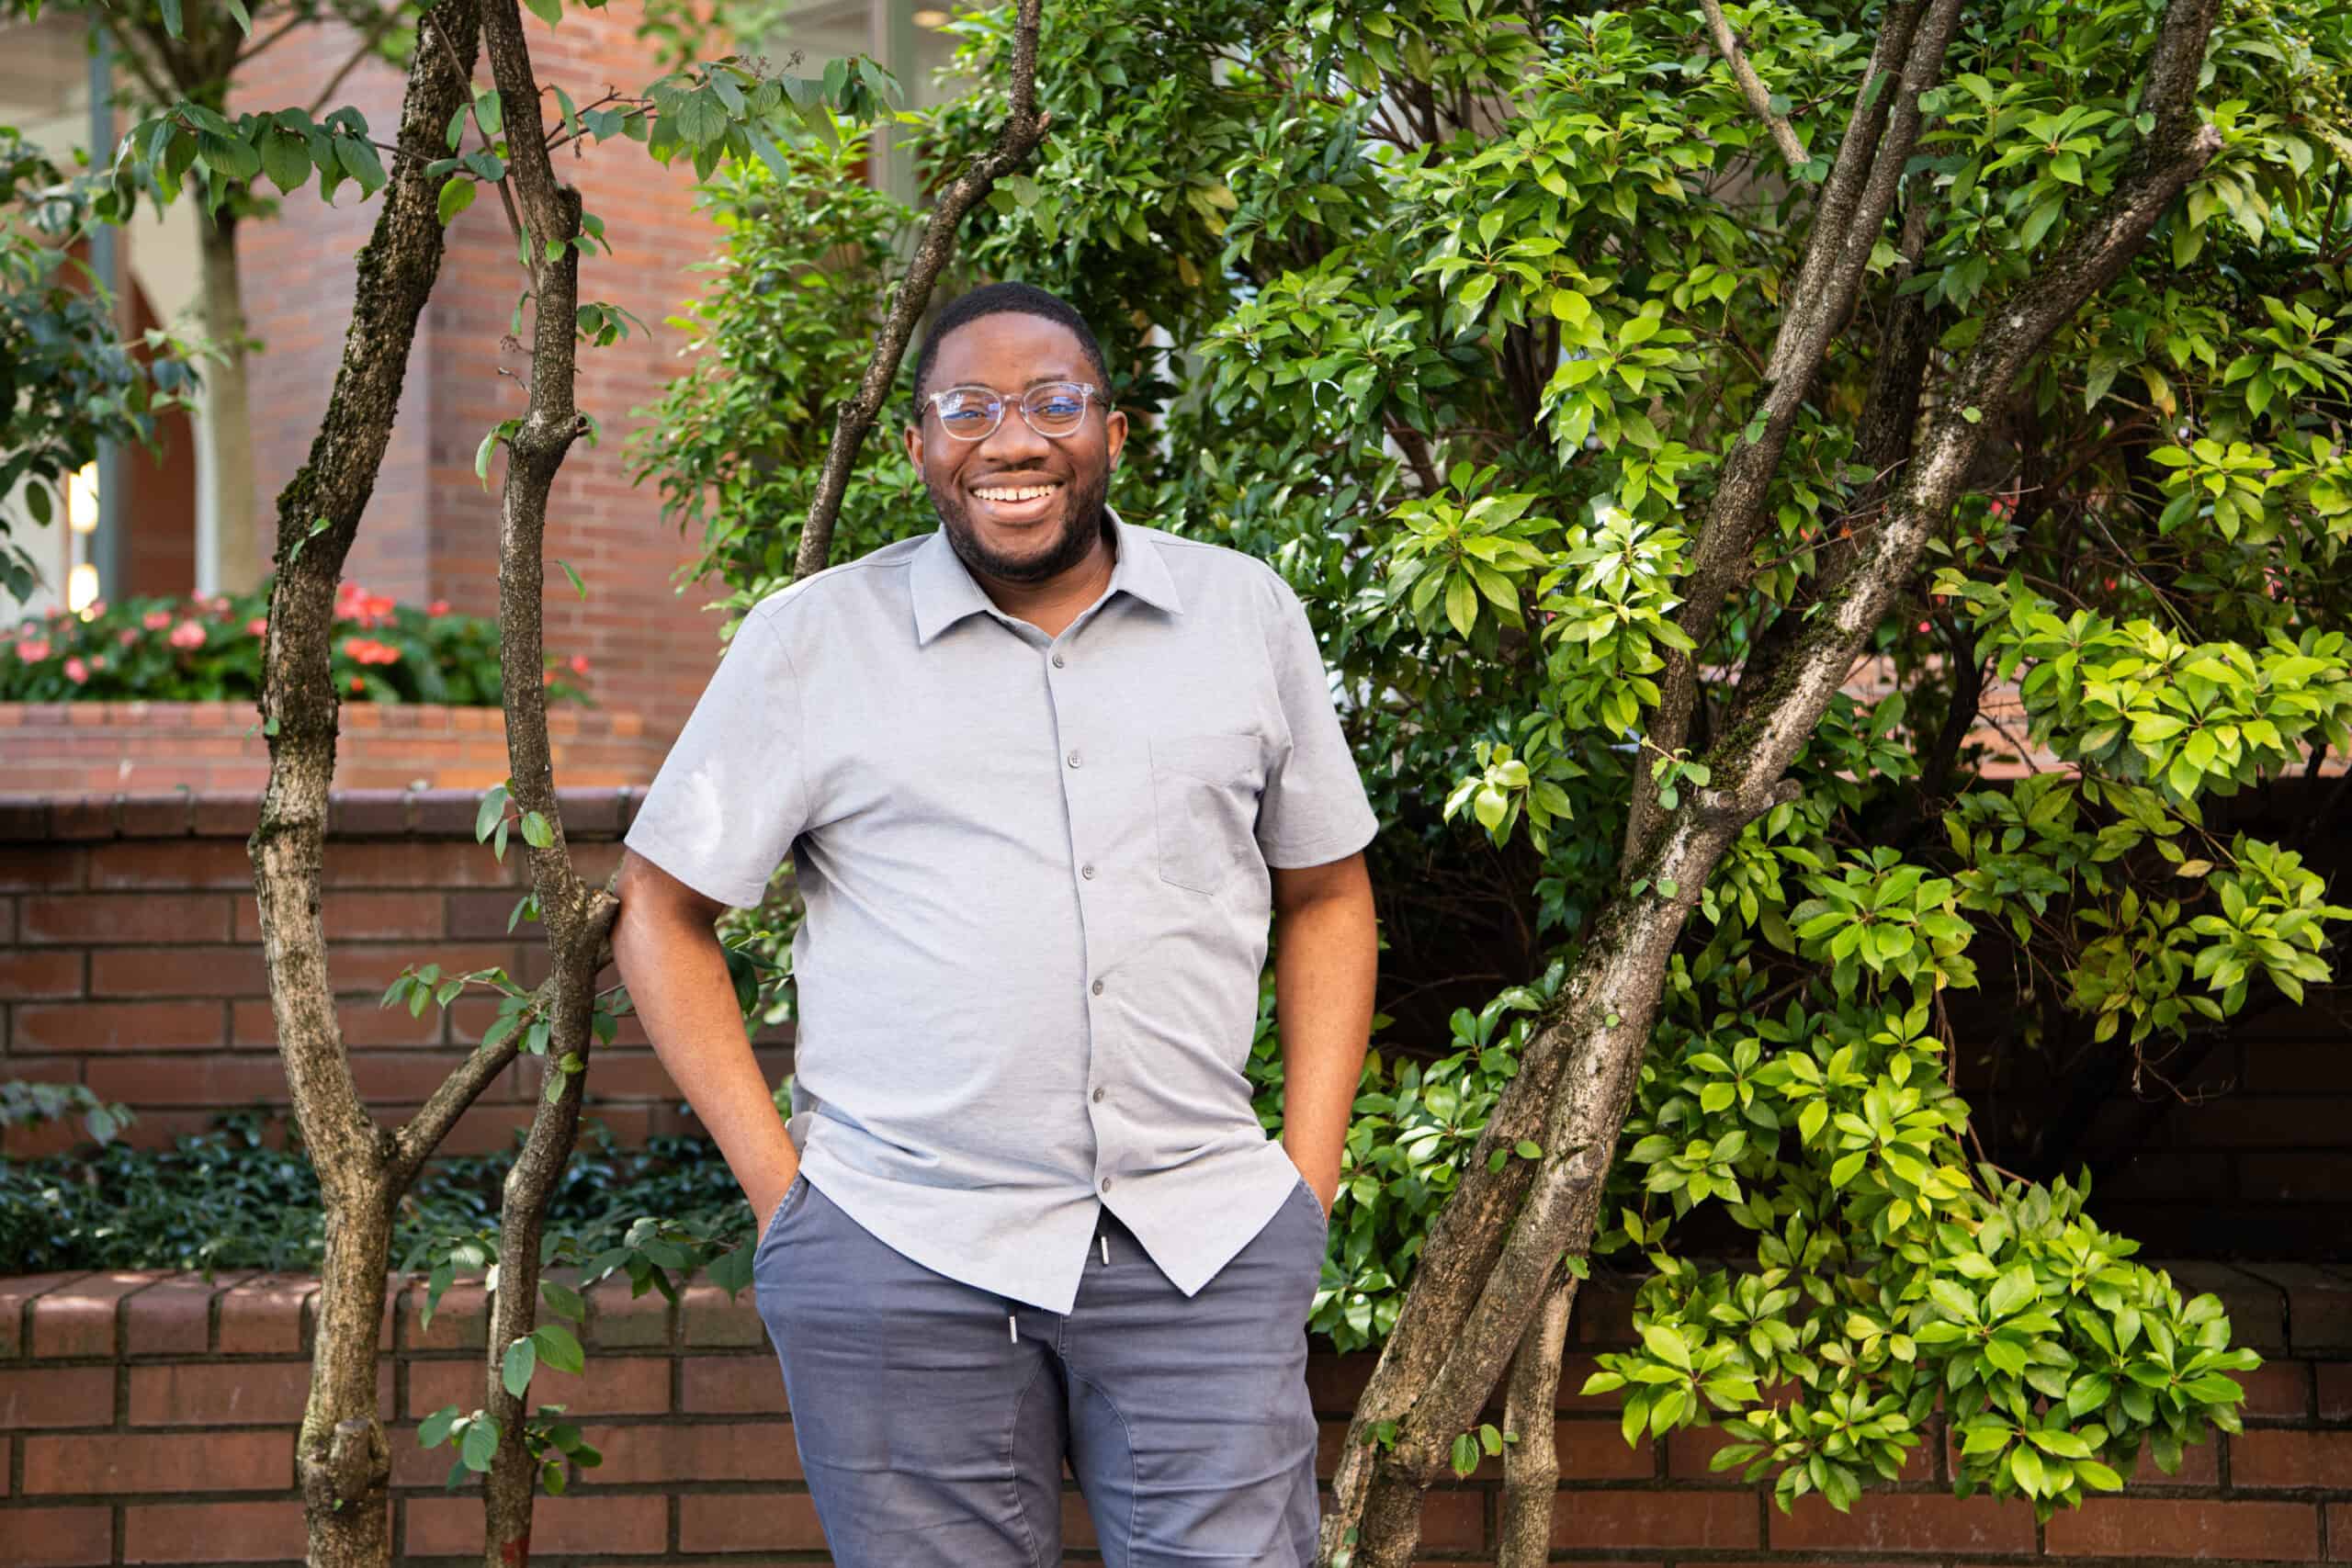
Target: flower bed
[208,649]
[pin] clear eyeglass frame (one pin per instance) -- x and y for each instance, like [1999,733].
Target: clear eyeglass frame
[1033,405]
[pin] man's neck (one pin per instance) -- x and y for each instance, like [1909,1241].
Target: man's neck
[1052,605]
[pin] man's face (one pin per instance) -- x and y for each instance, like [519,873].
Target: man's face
[984,489]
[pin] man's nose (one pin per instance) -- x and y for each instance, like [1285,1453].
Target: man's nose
[1012,443]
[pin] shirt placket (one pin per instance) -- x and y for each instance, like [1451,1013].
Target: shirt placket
[1089,846]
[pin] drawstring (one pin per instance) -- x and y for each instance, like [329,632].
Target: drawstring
[1013,1323]
[1106,1246]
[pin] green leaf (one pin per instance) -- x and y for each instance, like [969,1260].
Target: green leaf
[559,1347]
[577,586]
[563,1300]
[521,1360]
[536,831]
[435,1430]
[457,195]
[1666,1345]
[549,11]
[480,1445]
[1460,602]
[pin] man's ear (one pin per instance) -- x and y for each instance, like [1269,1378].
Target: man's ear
[1115,436]
[914,447]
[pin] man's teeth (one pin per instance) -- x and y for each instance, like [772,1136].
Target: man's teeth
[1023,493]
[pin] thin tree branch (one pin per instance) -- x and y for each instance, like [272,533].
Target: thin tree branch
[1023,129]
[1759,97]
[375,31]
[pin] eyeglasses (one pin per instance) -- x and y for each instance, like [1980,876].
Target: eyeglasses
[1051,408]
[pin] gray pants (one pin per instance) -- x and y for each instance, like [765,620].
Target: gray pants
[933,1432]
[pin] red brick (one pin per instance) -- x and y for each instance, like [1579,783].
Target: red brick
[643,1453]
[613,1385]
[197,1461]
[56,1396]
[362,916]
[366,968]
[263,1317]
[7,1454]
[201,862]
[473,916]
[178,972]
[1905,1521]
[79,1319]
[2142,1527]
[420,864]
[31,868]
[113,919]
[2200,1466]
[222,1393]
[452,1525]
[618,1319]
[213,1080]
[15,1295]
[212,1532]
[749,1521]
[1592,1519]
[363,1019]
[730,1385]
[25,973]
[2335,1379]
[2277,1387]
[460,1320]
[712,1319]
[113,1026]
[173,1317]
[59,1537]
[2271,1459]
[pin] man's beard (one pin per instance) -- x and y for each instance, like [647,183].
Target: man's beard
[1084,519]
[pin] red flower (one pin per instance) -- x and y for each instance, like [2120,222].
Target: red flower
[438,607]
[257,626]
[188,634]
[579,663]
[77,672]
[358,684]
[127,637]
[33,649]
[367,651]
[156,620]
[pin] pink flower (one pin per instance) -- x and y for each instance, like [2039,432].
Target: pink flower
[97,661]
[127,637]
[579,663]
[156,620]
[257,626]
[218,603]
[33,649]
[438,607]
[77,672]
[94,609]
[358,684]
[188,634]
[367,651]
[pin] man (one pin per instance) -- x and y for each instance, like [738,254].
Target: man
[1044,776]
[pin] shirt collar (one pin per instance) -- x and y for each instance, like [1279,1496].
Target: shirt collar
[944,592]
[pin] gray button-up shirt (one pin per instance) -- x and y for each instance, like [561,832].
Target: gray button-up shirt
[1035,876]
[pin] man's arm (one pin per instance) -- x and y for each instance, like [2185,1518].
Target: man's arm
[1326,958]
[676,973]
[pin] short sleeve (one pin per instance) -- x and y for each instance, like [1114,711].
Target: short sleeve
[1313,810]
[732,795]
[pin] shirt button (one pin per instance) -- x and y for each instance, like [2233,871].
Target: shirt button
[1085,871]
[1106,1184]
[1098,987]
[1073,759]
[1098,1096]
[1058,661]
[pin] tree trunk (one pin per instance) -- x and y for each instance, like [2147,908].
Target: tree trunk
[226,428]
[342,1456]
[1532,1465]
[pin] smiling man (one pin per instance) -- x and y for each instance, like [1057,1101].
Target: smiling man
[1045,777]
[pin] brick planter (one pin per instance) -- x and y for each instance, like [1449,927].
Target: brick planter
[150,1417]
[130,957]
[71,749]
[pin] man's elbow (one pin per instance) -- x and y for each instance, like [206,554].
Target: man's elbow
[655,905]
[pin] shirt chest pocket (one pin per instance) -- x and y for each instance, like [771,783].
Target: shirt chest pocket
[1204,806]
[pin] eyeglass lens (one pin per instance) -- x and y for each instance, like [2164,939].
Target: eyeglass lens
[1055,408]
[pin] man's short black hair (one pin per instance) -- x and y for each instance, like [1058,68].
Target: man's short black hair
[994,299]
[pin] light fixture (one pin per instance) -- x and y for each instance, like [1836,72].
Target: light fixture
[81,499]
[80,587]
[930,19]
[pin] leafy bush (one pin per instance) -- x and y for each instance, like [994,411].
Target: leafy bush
[208,650]
[243,1196]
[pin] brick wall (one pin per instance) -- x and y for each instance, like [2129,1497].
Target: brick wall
[74,750]
[151,1418]
[130,958]
[431,529]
